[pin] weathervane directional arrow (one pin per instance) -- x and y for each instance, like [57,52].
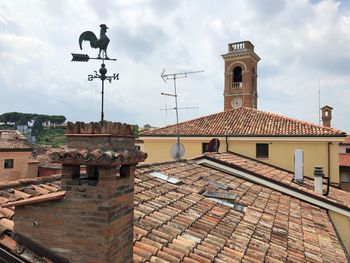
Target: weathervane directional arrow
[85,58]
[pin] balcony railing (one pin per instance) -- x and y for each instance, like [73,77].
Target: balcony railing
[242,46]
[237,85]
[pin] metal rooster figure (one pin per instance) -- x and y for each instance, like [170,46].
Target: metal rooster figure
[102,44]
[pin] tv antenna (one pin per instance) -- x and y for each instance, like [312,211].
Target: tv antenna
[179,151]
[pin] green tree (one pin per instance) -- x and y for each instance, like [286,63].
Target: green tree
[37,128]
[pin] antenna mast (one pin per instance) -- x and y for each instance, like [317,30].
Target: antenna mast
[173,77]
[319,101]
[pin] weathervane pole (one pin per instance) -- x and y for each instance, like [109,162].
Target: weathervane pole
[102,94]
[102,44]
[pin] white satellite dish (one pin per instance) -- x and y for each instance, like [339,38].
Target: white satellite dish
[177,151]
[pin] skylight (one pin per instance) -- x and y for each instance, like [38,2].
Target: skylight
[225,198]
[166,178]
[217,184]
[220,195]
[237,207]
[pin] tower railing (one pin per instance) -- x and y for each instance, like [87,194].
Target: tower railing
[240,46]
[237,85]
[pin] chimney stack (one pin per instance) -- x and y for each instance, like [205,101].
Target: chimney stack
[326,115]
[318,175]
[94,222]
[299,165]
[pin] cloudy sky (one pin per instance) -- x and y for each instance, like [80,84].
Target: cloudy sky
[304,45]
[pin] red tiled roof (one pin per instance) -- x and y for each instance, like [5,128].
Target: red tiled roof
[176,223]
[344,159]
[274,174]
[245,122]
[346,140]
[7,145]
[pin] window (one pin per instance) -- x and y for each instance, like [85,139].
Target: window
[347,150]
[205,147]
[262,150]
[8,164]
[237,74]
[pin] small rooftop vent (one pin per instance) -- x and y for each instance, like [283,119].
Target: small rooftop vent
[166,178]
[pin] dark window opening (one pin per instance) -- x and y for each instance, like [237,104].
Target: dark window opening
[262,150]
[237,74]
[89,176]
[347,150]
[205,147]
[125,170]
[9,163]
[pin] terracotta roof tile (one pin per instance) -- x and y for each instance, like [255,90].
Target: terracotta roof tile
[175,225]
[8,145]
[335,196]
[344,159]
[346,140]
[245,122]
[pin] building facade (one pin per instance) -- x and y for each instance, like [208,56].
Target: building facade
[263,136]
[241,65]
[16,162]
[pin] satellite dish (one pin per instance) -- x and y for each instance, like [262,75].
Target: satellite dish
[177,151]
[214,145]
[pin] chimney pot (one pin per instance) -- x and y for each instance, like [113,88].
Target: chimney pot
[326,115]
[318,175]
[299,165]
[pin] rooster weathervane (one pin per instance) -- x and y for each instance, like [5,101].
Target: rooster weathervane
[102,44]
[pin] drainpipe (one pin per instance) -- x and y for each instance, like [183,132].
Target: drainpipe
[226,144]
[329,168]
[329,159]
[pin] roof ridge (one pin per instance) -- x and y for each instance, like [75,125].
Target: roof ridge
[198,118]
[294,119]
[29,181]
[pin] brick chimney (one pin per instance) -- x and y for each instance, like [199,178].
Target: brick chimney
[326,115]
[94,222]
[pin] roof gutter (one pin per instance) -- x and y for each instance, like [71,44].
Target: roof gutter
[253,177]
[341,135]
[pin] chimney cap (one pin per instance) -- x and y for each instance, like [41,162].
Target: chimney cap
[327,107]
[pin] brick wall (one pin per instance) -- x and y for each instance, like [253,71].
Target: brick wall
[91,224]
[94,222]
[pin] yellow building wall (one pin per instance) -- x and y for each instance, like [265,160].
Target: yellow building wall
[20,169]
[342,224]
[281,153]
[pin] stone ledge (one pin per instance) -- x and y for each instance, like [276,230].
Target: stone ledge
[98,157]
[107,127]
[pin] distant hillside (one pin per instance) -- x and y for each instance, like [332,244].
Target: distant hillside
[52,136]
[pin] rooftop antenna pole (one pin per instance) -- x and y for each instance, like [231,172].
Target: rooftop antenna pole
[102,44]
[173,77]
[319,101]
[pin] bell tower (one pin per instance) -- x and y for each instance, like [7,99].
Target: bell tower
[241,64]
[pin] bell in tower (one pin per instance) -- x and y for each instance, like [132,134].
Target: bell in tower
[240,76]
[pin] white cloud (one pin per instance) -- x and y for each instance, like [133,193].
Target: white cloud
[299,42]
